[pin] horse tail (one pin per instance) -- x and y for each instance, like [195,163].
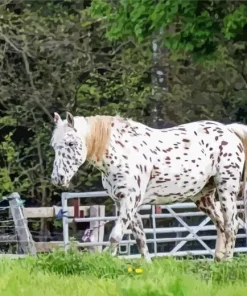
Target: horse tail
[241,131]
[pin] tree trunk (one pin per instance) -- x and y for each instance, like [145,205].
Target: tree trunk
[159,82]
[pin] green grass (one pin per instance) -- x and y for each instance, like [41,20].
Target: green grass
[78,274]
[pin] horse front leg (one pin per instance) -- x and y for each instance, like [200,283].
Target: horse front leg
[126,208]
[128,204]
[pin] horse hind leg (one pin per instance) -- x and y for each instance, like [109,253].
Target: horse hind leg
[207,204]
[228,191]
[140,237]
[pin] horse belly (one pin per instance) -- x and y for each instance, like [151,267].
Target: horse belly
[165,200]
[171,186]
[168,194]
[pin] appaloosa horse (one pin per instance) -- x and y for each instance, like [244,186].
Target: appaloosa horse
[141,165]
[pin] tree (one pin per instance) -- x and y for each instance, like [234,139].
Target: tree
[54,57]
[196,27]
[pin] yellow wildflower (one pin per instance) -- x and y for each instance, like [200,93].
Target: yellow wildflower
[139,270]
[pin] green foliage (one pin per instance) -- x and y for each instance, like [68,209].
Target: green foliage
[9,158]
[6,183]
[235,21]
[106,266]
[54,56]
[75,262]
[83,274]
[196,27]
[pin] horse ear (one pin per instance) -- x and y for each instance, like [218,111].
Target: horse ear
[70,119]
[57,118]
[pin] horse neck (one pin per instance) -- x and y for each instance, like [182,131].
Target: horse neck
[81,125]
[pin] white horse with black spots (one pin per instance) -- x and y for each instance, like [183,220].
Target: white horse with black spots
[142,165]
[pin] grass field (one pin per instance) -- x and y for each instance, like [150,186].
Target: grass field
[77,274]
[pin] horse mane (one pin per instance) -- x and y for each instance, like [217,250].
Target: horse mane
[98,137]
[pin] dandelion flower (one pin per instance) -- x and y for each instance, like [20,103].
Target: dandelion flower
[139,270]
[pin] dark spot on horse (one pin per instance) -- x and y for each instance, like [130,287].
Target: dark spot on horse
[118,142]
[139,181]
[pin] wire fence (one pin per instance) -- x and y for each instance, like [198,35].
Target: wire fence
[14,235]
[8,232]
[163,234]
[193,233]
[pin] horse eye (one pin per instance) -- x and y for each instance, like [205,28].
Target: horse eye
[71,144]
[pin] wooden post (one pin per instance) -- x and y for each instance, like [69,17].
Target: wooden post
[98,232]
[158,210]
[24,236]
[76,205]
[101,228]
[94,212]
[82,215]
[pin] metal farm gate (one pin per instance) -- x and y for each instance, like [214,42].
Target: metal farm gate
[172,230]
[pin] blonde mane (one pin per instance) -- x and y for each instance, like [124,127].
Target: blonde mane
[98,137]
[97,130]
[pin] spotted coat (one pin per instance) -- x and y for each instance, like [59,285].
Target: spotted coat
[142,165]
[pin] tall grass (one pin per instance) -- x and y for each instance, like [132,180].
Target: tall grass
[84,274]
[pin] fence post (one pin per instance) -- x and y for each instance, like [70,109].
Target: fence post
[24,236]
[65,222]
[94,212]
[101,228]
[154,229]
[98,232]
